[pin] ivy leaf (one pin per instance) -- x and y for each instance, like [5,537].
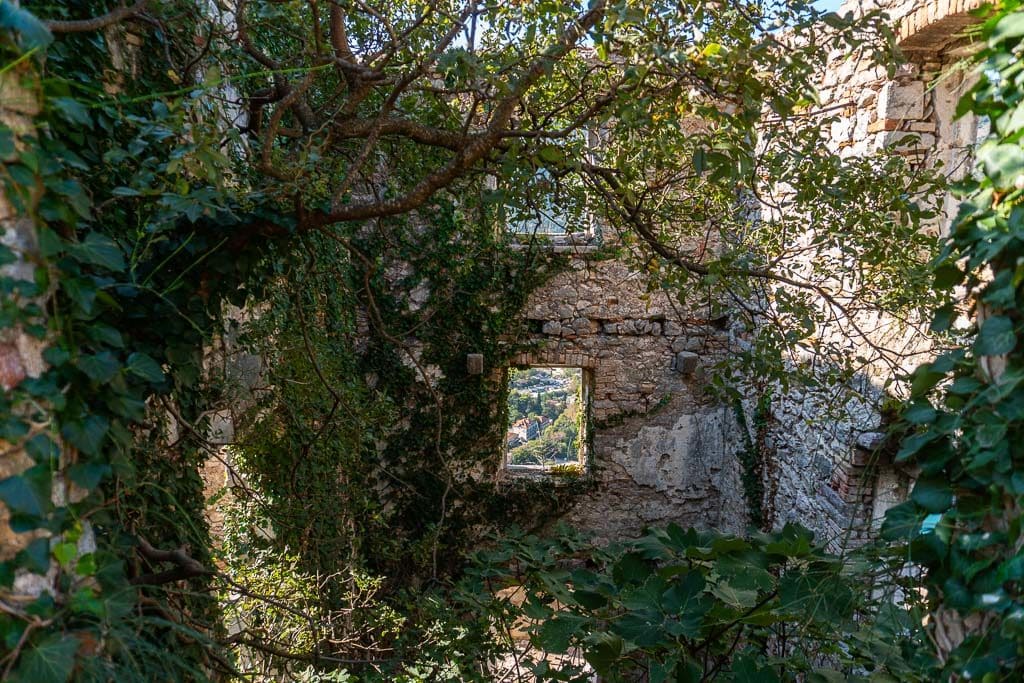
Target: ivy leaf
[100,367]
[943,318]
[28,492]
[82,292]
[6,142]
[914,443]
[902,522]
[99,250]
[105,334]
[932,494]
[996,337]
[920,413]
[65,553]
[72,110]
[948,276]
[42,449]
[51,659]
[145,367]
[56,356]
[88,475]
[86,565]
[12,429]
[36,556]
[87,434]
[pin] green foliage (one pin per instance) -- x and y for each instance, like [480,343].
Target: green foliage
[753,457]
[369,455]
[679,605]
[964,422]
[126,193]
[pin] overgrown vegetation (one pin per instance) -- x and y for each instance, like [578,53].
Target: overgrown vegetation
[306,187]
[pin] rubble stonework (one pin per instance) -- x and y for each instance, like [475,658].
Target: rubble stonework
[661,452]
[825,478]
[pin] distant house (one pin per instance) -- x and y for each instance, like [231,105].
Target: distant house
[512,440]
[529,428]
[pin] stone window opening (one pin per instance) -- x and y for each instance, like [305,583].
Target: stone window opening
[547,206]
[547,420]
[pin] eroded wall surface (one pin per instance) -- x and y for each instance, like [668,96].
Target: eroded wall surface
[662,451]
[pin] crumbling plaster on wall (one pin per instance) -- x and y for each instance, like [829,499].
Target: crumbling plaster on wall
[661,452]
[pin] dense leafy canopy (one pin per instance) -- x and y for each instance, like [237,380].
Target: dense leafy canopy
[175,162]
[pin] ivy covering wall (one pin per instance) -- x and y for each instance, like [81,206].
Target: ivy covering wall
[366,453]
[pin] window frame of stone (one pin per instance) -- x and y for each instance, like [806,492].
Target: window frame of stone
[555,471]
[583,232]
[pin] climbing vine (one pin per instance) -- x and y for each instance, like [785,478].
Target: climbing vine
[126,209]
[965,419]
[754,459]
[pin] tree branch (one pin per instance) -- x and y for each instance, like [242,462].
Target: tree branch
[187,567]
[96,23]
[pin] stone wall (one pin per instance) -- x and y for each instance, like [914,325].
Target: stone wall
[661,451]
[826,478]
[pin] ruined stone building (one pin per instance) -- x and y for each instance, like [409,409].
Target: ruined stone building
[658,448]
[661,450]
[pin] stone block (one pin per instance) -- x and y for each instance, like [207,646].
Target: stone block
[552,327]
[901,101]
[687,362]
[905,140]
[222,428]
[841,129]
[870,441]
[884,124]
[671,328]
[475,363]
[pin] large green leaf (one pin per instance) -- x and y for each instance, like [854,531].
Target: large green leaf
[556,634]
[737,598]
[932,494]
[145,367]
[100,367]
[87,434]
[99,250]
[995,337]
[603,649]
[1002,163]
[28,492]
[51,660]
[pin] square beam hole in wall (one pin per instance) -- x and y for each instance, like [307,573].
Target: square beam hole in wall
[548,420]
